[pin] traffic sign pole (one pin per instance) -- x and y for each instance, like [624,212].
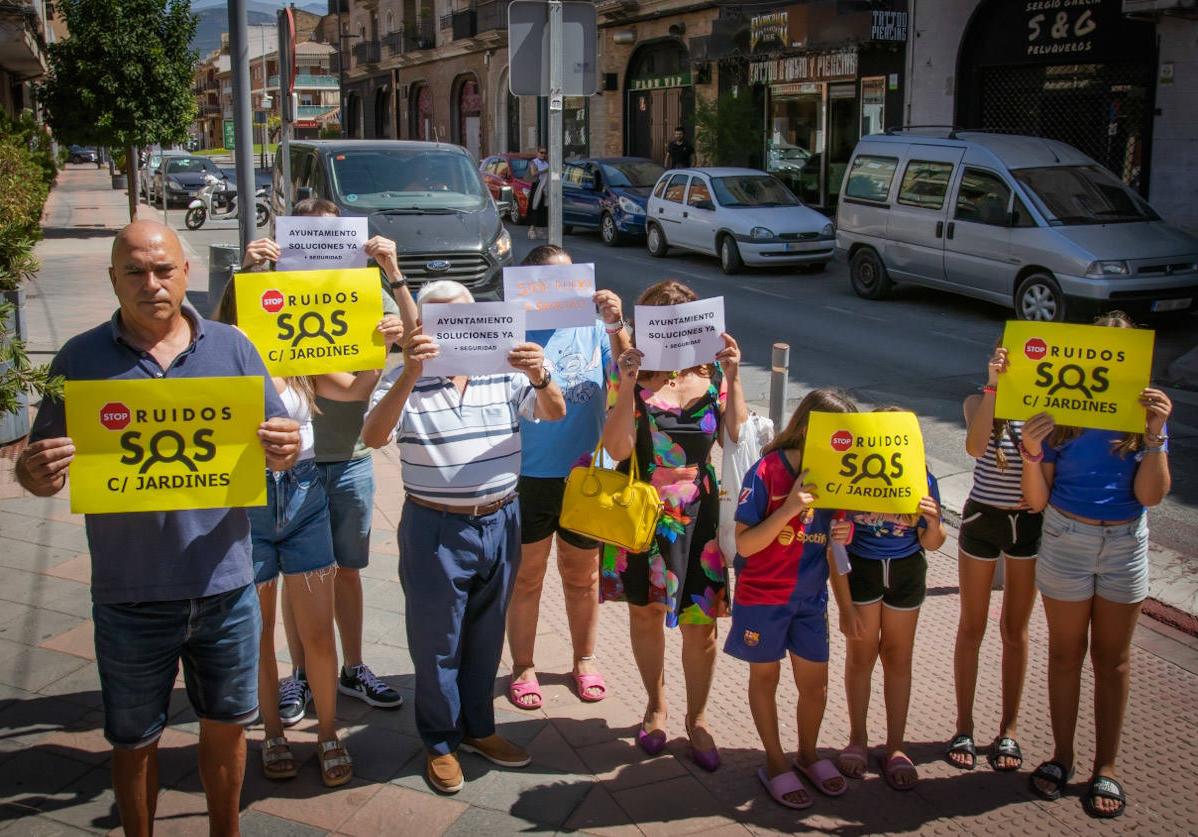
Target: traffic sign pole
[555,122]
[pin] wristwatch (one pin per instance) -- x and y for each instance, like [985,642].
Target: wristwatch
[548,376]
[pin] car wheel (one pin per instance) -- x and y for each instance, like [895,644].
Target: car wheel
[261,216]
[868,275]
[1039,298]
[195,217]
[655,241]
[514,214]
[730,260]
[608,230]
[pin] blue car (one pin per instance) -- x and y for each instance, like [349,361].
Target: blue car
[608,194]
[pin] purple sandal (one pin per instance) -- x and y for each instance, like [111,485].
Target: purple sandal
[783,784]
[820,774]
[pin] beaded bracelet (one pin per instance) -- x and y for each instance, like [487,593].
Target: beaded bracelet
[989,389]
[1027,455]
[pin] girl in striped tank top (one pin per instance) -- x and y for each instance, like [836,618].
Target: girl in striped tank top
[996,522]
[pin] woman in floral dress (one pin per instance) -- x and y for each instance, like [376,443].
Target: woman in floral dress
[673,419]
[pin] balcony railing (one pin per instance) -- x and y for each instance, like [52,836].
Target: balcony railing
[491,14]
[307,80]
[335,64]
[366,52]
[463,24]
[393,42]
[312,111]
[419,35]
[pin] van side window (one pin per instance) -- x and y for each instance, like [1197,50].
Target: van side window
[1023,216]
[677,188]
[925,184]
[870,178]
[983,198]
[316,180]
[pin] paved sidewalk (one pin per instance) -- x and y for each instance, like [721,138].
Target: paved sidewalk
[587,775]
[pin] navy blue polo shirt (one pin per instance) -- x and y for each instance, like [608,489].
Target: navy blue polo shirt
[161,556]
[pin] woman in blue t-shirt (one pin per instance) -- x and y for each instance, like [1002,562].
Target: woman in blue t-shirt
[1093,486]
[888,583]
[580,361]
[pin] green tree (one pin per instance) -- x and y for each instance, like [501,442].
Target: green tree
[727,130]
[123,77]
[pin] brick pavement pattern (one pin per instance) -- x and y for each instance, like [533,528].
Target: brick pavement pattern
[587,775]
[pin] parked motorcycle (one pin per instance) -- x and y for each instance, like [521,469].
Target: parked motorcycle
[217,202]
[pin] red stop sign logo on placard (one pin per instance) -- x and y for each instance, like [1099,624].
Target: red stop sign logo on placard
[272,301]
[1035,348]
[114,415]
[842,440]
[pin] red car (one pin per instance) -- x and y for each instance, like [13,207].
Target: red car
[510,169]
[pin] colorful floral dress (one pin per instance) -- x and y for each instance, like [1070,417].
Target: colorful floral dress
[683,568]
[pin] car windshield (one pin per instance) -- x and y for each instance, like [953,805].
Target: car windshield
[1076,195]
[519,167]
[752,190]
[789,152]
[632,173]
[191,165]
[400,178]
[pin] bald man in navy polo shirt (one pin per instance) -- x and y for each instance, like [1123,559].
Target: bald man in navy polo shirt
[166,585]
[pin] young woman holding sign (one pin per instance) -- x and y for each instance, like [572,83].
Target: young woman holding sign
[292,537]
[888,584]
[996,524]
[781,606]
[672,420]
[1094,487]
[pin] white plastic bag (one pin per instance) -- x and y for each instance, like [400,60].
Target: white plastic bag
[755,434]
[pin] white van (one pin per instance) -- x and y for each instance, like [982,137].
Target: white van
[1029,223]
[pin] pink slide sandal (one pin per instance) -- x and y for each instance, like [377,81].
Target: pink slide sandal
[783,784]
[525,689]
[584,682]
[821,773]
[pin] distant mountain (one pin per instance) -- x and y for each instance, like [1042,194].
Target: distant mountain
[214,18]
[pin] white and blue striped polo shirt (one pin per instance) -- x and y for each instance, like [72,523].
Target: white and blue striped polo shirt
[461,451]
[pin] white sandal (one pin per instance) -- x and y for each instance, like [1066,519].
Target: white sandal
[275,750]
[328,762]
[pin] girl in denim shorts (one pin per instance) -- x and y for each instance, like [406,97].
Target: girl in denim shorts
[781,604]
[1094,487]
[888,583]
[292,536]
[996,525]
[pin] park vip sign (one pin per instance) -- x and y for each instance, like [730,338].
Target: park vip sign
[868,462]
[1082,375]
[166,445]
[309,322]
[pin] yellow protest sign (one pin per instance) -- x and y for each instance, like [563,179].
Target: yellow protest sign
[1082,375]
[869,462]
[308,322]
[166,445]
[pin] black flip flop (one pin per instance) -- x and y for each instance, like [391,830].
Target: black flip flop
[1005,747]
[962,743]
[1050,771]
[1107,788]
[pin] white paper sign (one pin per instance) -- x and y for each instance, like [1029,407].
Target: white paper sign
[474,338]
[679,336]
[313,243]
[553,295]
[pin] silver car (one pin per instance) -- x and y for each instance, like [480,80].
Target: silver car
[1029,223]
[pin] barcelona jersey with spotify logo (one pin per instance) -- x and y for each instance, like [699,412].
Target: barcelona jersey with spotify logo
[795,564]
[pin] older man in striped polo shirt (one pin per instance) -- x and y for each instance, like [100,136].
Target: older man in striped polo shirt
[459,536]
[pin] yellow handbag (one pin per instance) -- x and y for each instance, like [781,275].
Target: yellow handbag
[608,506]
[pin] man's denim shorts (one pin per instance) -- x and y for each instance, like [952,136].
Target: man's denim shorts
[350,488]
[138,648]
[1081,560]
[290,534]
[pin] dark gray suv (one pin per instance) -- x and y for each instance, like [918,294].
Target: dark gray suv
[425,196]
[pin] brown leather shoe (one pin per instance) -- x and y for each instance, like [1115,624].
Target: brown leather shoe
[497,750]
[444,773]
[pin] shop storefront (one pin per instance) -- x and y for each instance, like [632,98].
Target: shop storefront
[830,76]
[1078,71]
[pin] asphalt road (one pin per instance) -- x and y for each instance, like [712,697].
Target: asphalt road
[923,349]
